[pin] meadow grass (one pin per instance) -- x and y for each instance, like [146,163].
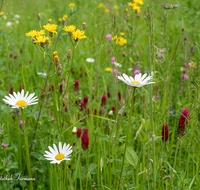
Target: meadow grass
[125,149]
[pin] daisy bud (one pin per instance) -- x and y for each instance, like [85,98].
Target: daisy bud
[76,86]
[11,90]
[165,133]
[85,99]
[78,133]
[184,118]
[59,71]
[21,87]
[63,21]
[74,130]
[95,111]
[50,21]
[4,145]
[85,140]
[103,100]
[84,25]
[39,16]
[55,53]
[110,114]
[69,54]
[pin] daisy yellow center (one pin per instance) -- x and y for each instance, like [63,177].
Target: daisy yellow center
[21,103]
[59,156]
[136,82]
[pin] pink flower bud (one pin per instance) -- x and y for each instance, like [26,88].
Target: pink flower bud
[85,99]
[78,133]
[103,100]
[85,139]
[76,86]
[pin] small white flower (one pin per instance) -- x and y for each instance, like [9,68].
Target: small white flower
[138,81]
[130,69]
[8,24]
[74,130]
[17,16]
[90,60]
[117,64]
[19,100]
[4,17]
[42,74]
[17,22]
[57,156]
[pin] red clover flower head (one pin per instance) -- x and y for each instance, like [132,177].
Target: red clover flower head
[85,139]
[165,132]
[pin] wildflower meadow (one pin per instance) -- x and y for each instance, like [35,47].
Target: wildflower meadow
[99,94]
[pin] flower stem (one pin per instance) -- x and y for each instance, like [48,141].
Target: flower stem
[27,152]
[129,126]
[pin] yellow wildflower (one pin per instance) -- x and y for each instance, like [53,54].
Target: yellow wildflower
[70,29]
[71,5]
[49,21]
[108,69]
[1,13]
[139,2]
[51,28]
[106,10]
[116,7]
[101,6]
[122,33]
[114,38]
[126,10]
[34,33]
[136,8]
[130,4]
[65,16]
[121,41]
[78,35]
[41,39]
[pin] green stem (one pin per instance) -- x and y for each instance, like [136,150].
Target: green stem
[128,131]
[27,152]
[109,155]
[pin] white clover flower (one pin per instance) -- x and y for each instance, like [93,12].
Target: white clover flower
[8,24]
[117,64]
[90,60]
[139,80]
[19,100]
[17,16]
[42,74]
[57,156]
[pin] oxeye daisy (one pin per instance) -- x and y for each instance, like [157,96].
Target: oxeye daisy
[57,155]
[18,100]
[138,81]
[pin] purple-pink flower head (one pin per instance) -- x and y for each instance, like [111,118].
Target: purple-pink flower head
[85,139]
[109,36]
[165,132]
[76,85]
[4,145]
[136,72]
[184,76]
[103,100]
[116,72]
[184,118]
[78,133]
[113,59]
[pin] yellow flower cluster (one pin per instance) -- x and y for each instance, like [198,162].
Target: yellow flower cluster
[71,5]
[135,4]
[51,28]
[38,37]
[120,40]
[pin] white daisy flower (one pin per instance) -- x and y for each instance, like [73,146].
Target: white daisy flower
[8,24]
[17,16]
[19,100]
[139,80]
[90,60]
[57,156]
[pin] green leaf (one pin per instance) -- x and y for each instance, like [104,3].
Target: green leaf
[149,143]
[131,156]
